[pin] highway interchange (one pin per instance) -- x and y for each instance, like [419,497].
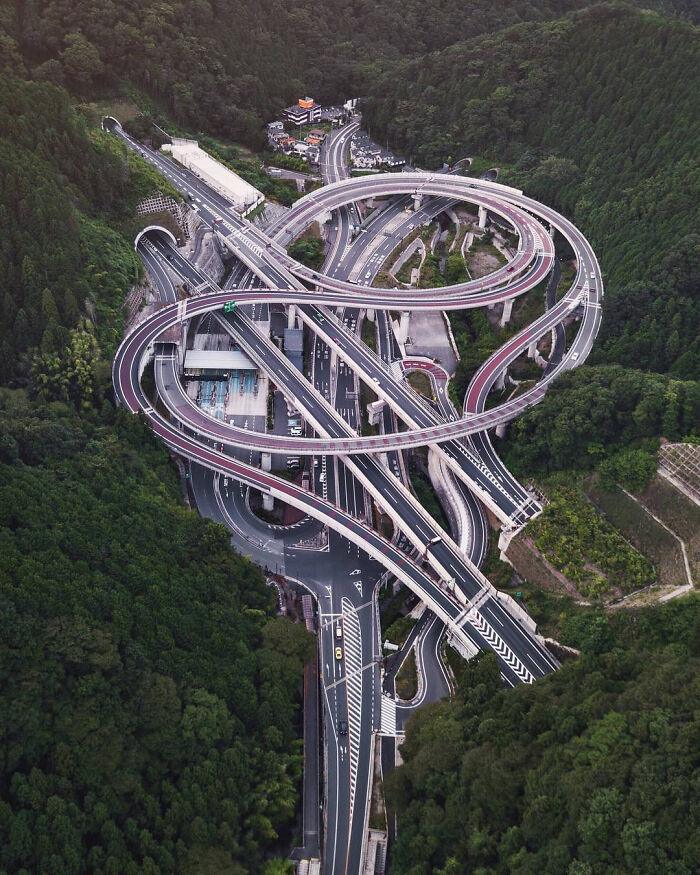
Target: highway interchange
[350,556]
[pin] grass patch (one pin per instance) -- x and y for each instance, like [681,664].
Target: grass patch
[407,678]
[585,547]
[256,212]
[369,334]
[399,630]
[420,382]
[426,496]
[483,258]
[404,275]
[676,510]
[384,280]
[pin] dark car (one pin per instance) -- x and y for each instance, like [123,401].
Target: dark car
[342,727]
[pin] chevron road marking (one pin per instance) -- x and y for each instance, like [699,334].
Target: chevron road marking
[353,677]
[499,646]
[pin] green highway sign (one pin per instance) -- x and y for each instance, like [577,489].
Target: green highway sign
[229,306]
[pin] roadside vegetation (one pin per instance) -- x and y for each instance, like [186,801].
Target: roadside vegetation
[399,630]
[407,678]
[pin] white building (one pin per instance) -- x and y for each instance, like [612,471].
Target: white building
[242,195]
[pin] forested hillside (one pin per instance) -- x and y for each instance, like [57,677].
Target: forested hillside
[592,416]
[226,68]
[64,189]
[148,696]
[591,772]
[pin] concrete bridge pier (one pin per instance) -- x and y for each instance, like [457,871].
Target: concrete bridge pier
[507,312]
[501,381]
[292,316]
[532,350]
[266,461]
[268,501]
[374,411]
[404,324]
[417,201]
[501,430]
[482,217]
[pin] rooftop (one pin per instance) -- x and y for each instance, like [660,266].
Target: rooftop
[243,195]
[218,360]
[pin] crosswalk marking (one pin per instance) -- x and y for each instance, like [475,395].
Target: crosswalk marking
[387,717]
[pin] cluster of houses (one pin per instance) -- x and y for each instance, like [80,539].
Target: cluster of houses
[301,114]
[365,154]
[309,148]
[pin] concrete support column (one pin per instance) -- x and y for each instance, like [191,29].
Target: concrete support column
[370,315]
[292,316]
[404,326]
[507,311]
[532,350]
[482,217]
[268,501]
[375,410]
[501,430]
[501,381]
[266,461]
[417,201]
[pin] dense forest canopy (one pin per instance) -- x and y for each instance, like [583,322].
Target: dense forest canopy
[148,696]
[65,188]
[227,68]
